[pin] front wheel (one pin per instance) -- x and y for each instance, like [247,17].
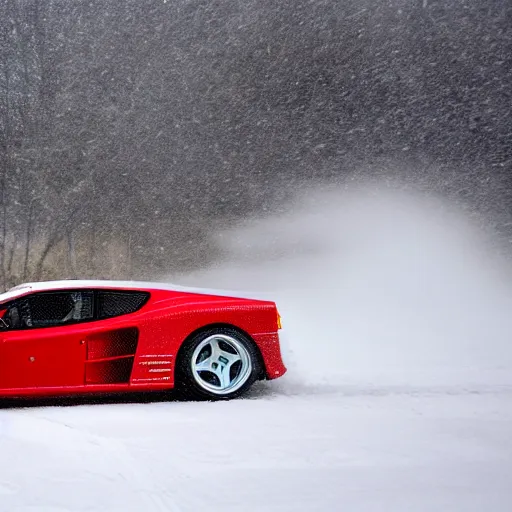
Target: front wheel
[215,364]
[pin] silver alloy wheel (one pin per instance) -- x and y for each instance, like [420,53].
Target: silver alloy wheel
[221,364]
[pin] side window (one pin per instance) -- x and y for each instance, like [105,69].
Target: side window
[50,309]
[115,303]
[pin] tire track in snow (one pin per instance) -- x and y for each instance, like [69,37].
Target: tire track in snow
[292,389]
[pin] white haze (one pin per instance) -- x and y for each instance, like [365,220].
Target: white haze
[376,286]
[398,397]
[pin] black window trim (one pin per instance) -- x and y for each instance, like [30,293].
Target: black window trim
[97,291]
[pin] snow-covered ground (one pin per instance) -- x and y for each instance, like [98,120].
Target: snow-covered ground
[358,449]
[398,396]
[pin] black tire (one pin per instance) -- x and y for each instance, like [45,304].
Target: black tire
[205,384]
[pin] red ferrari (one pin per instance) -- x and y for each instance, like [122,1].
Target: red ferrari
[75,337]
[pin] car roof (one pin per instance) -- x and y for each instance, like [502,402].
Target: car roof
[69,284]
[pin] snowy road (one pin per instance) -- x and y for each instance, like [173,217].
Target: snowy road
[325,450]
[398,395]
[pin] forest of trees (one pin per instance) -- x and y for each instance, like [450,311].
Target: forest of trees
[130,130]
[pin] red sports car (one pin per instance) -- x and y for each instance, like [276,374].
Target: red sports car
[71,337]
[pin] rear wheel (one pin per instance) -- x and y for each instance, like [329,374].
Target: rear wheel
[216,364]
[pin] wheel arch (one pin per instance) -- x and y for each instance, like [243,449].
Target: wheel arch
[221,325]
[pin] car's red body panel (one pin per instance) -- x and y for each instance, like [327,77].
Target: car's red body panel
[130,352]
